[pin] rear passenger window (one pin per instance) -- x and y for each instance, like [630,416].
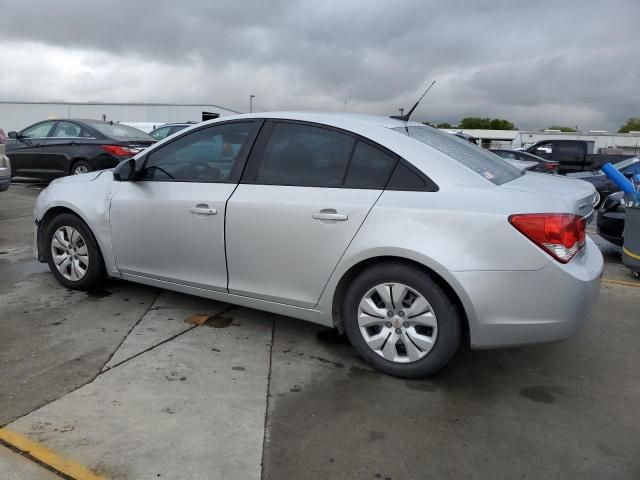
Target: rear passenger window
[406,178]
[305,155]
[370,167]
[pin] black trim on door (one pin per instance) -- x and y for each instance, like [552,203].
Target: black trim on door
[241,160]
[255,158]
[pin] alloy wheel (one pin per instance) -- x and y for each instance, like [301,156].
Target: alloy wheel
[80,169]
[397,322]
[69,253]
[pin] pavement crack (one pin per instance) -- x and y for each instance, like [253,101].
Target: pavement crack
[137,322]
[268,396]
[166,340]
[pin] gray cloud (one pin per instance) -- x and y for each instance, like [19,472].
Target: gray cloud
[535,63]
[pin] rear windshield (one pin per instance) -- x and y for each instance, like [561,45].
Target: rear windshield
[121,132]
[489,165]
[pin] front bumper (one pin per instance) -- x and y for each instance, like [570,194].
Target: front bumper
[4,184]
[511,308]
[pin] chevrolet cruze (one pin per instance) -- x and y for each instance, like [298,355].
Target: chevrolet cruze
[407,239]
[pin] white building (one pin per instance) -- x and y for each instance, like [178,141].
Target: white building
[18,115]
[623,143]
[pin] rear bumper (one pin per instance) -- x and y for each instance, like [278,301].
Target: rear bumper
[610,226]
[511,308]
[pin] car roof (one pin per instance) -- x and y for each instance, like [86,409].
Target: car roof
[328,118]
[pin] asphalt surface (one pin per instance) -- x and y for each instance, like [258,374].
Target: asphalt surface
[126,383]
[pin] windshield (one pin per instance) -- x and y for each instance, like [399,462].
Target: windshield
[489,165]
[120,132]
[627,162]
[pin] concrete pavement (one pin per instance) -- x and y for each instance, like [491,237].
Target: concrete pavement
[119,383]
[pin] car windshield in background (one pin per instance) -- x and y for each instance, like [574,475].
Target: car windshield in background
[120,132]
[627,162]
[481,161]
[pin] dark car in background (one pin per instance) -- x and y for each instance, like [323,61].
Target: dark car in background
[610,223]
[55,148]
[544,165]
[169,129]
[629,168]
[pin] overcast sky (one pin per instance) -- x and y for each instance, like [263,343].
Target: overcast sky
[535,63]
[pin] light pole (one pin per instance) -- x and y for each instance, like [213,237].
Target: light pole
[251,97]
[345,104]
[401,111]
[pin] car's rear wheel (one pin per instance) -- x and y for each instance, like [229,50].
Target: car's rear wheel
[400,321]
[81,167]
[72,253]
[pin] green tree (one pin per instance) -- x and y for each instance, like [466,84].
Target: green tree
[444,125]
[561,128]
[486,123]
[632,125]
[427,123]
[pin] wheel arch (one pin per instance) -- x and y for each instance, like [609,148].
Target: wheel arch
[454,294]
[50,214]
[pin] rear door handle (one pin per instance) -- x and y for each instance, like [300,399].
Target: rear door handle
[203,209]
[339,217]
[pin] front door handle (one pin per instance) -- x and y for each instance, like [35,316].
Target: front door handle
[203,209]
[330,215]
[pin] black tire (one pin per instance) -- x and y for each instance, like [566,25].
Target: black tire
[449,330]
[80,164]
[95,271]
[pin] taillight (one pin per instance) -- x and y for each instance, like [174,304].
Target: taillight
[119,151]
[561,235]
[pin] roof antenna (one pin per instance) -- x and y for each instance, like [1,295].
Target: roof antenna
[405,117]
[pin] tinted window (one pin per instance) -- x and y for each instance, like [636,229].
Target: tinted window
[67,129]
[120,132]
[304,155]
[160,133]
[38,131]
[370,167]
[471,156]
[407,178]
[206,155]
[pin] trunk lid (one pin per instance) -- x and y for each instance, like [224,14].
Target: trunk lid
[578,195]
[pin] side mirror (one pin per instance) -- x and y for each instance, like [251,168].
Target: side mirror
[125,171]
[13,135]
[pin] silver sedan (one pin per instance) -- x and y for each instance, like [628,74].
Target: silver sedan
[407,239]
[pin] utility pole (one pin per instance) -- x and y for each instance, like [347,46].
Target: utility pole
[345,104]
[251,97]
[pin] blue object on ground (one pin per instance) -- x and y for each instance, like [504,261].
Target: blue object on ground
[616,177]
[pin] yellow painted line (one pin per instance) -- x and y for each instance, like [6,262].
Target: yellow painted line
[621,282]
[48,457]
[632,255]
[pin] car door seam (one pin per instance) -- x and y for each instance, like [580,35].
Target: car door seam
[347,248]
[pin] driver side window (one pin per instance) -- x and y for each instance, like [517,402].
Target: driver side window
[205,155]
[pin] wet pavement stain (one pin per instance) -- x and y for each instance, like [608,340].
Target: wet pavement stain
[540,394]
[219,322]
[98,294]
[239,369]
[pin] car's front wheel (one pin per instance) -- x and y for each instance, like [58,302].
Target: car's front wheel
[72,253]
[400,321]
